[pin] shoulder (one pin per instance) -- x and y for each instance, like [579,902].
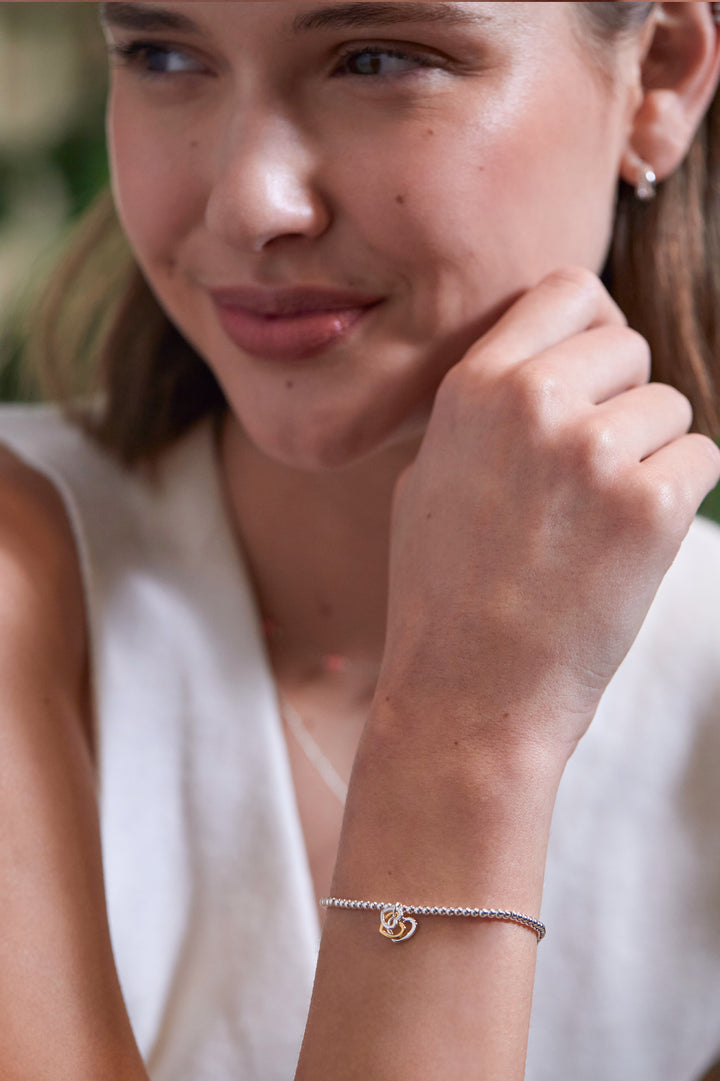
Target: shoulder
[34,529]
[34,525]
[43,437]
[42,619]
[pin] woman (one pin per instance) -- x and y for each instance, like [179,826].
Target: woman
[380,228]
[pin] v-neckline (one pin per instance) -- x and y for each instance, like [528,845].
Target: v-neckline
[233,542]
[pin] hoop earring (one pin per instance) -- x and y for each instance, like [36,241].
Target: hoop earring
[645,187]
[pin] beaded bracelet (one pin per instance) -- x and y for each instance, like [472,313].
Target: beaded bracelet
[397,923]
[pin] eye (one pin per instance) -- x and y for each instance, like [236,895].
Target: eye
[383,62]
[154,61]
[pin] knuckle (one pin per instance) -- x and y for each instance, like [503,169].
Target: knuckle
[708,447]
[587,290]
[640,347]
[659,507]
[593,453]
[578,278]
[682,405]
[672,404]
[538,394]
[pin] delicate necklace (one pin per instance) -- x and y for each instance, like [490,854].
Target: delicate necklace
[329,662]
[315,756]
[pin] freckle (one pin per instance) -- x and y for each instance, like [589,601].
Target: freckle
[430,131]
[289,384]
[400,199]
[428,516]
[194,143]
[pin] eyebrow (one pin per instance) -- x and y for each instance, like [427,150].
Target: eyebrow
[149,17]
[352,15]
[145,17]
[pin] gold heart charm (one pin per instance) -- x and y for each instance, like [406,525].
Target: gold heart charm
[395,925]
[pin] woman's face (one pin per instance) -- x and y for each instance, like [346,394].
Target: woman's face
[436,159]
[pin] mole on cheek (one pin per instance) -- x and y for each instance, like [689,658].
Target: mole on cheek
[429,131]
[400,199]
[289,384]
[193,144]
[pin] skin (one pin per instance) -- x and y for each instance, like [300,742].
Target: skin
[489,434]
[459,174]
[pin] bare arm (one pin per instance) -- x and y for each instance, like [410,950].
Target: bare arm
[550,495]
[454,1000]
[61,1011]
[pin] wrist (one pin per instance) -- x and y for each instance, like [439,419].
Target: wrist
[428,822]
[454,751]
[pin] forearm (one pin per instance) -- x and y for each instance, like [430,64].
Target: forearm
[62,1017]
[454,1001]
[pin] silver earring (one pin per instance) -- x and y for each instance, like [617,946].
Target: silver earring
[645,185]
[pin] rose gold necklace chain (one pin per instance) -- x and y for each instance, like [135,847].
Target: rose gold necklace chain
[333,663]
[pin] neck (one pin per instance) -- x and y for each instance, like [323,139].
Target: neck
[317,548]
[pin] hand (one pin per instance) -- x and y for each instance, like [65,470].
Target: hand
[550,495]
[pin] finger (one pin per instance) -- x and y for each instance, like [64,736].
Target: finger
[597,365]
[564,304]
[683,473]
[641,421]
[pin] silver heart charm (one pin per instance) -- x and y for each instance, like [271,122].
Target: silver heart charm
[395,925]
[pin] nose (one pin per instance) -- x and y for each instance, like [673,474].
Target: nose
[265,186]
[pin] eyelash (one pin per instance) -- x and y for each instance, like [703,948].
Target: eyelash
[423,60]
[132,53]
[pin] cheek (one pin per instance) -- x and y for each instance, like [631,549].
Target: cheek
[481,202]
[152,183]
[553,173]
[417,212]
[415,200]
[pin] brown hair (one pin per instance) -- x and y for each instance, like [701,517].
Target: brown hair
[99,328]
[664,263]
[102,345]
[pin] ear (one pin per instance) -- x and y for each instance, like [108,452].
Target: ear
[679,75]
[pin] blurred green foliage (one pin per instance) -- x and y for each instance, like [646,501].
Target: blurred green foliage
[711,506]
[53,85]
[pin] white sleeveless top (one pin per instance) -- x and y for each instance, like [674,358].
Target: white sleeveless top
[209,893]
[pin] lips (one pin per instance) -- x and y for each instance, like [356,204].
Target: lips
[289,324]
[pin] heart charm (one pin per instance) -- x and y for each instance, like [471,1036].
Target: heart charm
[395,925]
